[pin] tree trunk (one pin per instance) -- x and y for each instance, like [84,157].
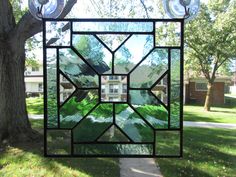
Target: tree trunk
[14,123]
[208,100]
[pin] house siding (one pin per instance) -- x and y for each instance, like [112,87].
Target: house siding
[195,96]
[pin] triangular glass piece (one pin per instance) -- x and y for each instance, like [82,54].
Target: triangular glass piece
[113,134]
[161,89]
[66,89]
[113,41]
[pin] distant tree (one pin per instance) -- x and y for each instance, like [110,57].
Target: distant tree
[211,42]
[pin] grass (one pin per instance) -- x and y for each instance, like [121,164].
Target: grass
[34,105]
[217,114]
[207,153]
[26,159]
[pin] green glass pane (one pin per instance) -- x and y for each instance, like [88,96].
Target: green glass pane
[113,26]
[150,70]
[113,134]
[113,149]
[52,88]
[58,142]
[94,124]
[150,108]
[132,53]
[175,89]
[93,52]
[168,143]
[66,89]
[77,70]
[132,124]
[77,107]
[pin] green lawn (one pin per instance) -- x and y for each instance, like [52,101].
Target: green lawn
[27,159]
[217,114]
[207,153]
[35,105]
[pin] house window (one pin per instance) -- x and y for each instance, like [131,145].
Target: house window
[103,88]
[113,88]
[40,87]
[124,88]
[35,68]
[113,77]
[201,86]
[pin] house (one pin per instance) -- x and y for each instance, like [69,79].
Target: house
[195,90]
[114,88]
[34,80]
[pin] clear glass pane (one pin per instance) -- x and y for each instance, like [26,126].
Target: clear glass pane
[161,90]
[113,149]
[113,41]
[52,88]
[94,124]
[58,142]
[167,143]
[150,70]
[168,34]
[113,134]
[66,89]
[57,33]
[77,107]
[175,89]
[150,108]
[113,26]
[132,124]
[77,70]
[113,88]
[132,52]
[93,52]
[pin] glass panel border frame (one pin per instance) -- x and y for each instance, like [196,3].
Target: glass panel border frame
[70,26]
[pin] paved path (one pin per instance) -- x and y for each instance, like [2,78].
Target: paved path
[31,116]
[209,125]
[139,167]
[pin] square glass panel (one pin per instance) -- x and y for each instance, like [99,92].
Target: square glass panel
[113,88]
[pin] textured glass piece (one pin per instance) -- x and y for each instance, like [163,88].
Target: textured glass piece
[93,52]
[132,124]
[58,33]
[113,26]
[52,116]
[66,89]
[150,108]
[168,143]
[113,41]
[150,70]
[113,88]
[94,124]
[77,70]
[176,8]
[113,134]
[132,52]
[50,9]
[175,89]
[80,104]
[113,149]
[168,34]
[161,89]
[58,142]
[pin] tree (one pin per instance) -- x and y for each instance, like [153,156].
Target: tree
[16,26]
[211,41]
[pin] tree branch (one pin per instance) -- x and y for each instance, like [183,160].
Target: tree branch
[7,20]
[28,26]
[145,8]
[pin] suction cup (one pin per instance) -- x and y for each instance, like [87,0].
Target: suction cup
[46,8]
[187,9]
